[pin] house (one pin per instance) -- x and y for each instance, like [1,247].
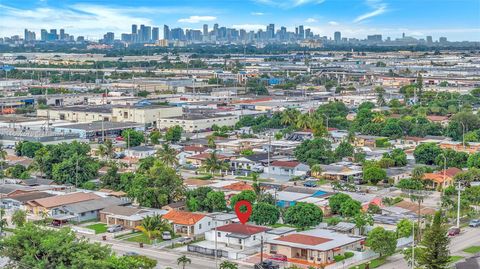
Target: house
[252,163]
[221,219]
[180,206]
[128,217]
[443,120]
[287,168]
[188,223]
[399,173]
[318,246]
[18,201]
[238,145]
[86,210]
[340,172]
[140,152]
[47,204]
[441,179]
[198,159]
[188,151]
[471,147]
[366,140]
[237,235]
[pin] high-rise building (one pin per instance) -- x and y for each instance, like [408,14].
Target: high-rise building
[215,29]
[205,30]
[442,40]
[308,32]
[29,35]
[108,38]
[43,35]
[374,38]
[177,34]
[62,34]
[166,32]
[155,34]
[271,31]
[429,39]
[301,32]
[337,37]
[134,29]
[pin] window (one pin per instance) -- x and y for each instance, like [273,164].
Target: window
[199,226]
[254,237]
[273,249]
[219,234]
[239,241]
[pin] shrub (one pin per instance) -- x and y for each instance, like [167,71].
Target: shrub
[348,255]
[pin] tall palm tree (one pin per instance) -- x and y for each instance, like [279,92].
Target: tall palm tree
[183,260]
[316,170]
[107,149]
[228,265]
[289,116]
[304,121]
[3,157]
[211,142]
[212,163]
[168,155]
[153,226]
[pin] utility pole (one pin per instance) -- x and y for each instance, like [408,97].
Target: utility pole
[413,244]
[261,249]
[216,258]
[458,206]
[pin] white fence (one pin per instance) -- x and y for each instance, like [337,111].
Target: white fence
[83,230]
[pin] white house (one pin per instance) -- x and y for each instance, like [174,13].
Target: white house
[140,152]
[287,168]
[237,235]
[188,223]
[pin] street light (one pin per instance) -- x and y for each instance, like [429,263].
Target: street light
[463,134]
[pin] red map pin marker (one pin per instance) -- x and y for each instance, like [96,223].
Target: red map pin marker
[243,216]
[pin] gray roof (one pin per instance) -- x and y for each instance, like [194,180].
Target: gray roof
[9,188]
[92,109]
[97,126]
[300,190]
[37,181]
[25,197]
[343,227]
[142,148]
[93,205]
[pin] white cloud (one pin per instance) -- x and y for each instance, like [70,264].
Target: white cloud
[311,20]
[333,23]
[249,27]
[257,13]
[286,4]
[378,9]
[197,19]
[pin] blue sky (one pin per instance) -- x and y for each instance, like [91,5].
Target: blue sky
[455,19]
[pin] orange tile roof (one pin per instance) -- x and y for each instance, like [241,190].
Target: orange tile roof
[439,177]
[304,239]
[239,186]
[290,164]
[183,218]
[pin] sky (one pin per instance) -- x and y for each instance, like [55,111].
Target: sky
[458,20]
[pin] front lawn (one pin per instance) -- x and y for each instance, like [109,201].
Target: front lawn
[454,259]
[373,263]
[472,249]
[139,238]
[99,228]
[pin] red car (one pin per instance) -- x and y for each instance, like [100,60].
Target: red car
[279,257]
[453,231]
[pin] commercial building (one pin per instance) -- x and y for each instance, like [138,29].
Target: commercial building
[197,122]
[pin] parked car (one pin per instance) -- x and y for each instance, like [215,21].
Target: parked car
[131,253]
[310,184]
[166,235]
[453,231]
[279,257]
[115,228]
[185,240]
[267,265]
[474,223]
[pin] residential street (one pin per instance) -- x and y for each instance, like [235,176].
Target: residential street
[468,237]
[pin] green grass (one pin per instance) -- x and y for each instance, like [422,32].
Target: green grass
[139,238]
[250,178]
[204,177]
[472,249]
[454,259]
[322,181]
[99,228]
[373,263]
[278,225]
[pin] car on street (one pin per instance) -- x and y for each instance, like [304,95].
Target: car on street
[279,257]
[131,253]
[185,240]
[453,231]
[268,264]
[474,223]
[115,228]
[166,235]
[310,184]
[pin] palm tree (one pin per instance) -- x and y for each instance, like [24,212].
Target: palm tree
[211,142]
[3,157]
[380,96]
[107,149]
[378,118]
[304,121]
[228,265]
[168,155]
[183,260]
[153,226]
[316,170]
[289,116]
[3,220]
[212,163]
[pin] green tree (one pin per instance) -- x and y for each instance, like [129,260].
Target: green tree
[174,134]
[343,150]
[27,148]
[76,170]
[153,226]
[183,261]
[212,163]
[168,155]
[289,116]
[426,153]
[112,178]
[474,160]
[303,215]
[19,218]
[361,220]
[215,201]
[247,195]
[335,202]
[435,254]
[107,149]
[73,253]
[3,220]
[315,151]
[382,241]
[265,214]
[374,174]
[350,208]
[132,138]
[155,137]
[404,228]
[196,199]
[228,265]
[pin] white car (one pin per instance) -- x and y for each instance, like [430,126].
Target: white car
[166,235]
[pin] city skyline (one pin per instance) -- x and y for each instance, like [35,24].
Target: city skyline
[355,19]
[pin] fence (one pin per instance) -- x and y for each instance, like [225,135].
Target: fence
[83,230]
[207,251]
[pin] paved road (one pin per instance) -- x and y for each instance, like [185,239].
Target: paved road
[164,258]
[468,237]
